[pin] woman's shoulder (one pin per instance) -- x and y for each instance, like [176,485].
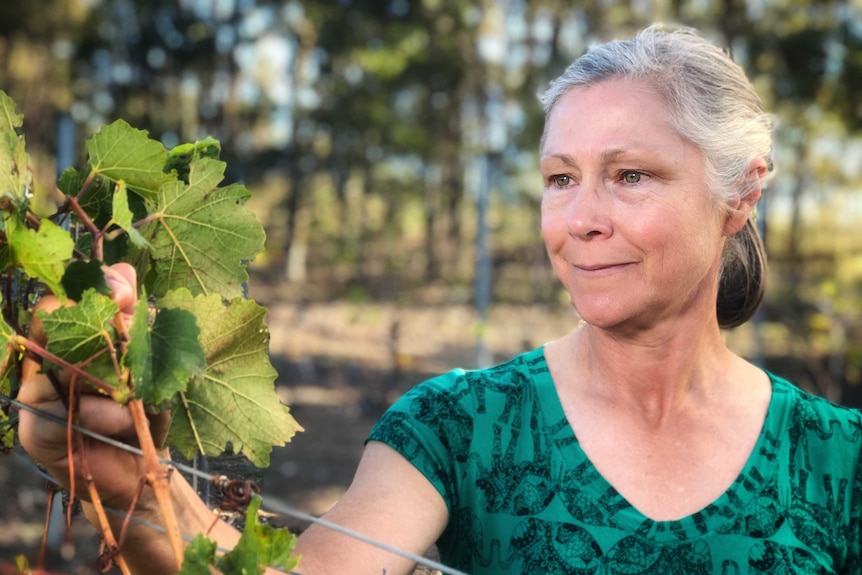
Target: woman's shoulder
[469,392]
[811,415]
[510,374]
[807,405]
[433,424]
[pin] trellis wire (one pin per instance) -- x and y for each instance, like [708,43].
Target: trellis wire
[28,463]
[271,502]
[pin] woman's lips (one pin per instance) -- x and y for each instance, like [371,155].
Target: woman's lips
[599,268]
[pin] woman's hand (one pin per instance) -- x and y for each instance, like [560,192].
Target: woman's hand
[116,472]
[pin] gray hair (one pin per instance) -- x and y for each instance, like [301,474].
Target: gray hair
[711,103]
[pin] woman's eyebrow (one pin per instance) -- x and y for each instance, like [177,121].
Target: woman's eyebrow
[565,158]
[605,156]
[614,154]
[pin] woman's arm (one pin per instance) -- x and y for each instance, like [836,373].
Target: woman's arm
[390,501]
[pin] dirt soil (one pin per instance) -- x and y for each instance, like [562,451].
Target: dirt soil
[340,365]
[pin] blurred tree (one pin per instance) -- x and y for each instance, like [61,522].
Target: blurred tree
[38,40]
[388,121]
[805,63]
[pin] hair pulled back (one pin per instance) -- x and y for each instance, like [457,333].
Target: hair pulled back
[711,103]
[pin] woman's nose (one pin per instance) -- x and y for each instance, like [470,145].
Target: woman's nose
[588,215]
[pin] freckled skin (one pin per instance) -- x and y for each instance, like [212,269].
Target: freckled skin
[630,227]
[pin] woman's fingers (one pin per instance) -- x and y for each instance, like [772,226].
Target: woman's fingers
[115,470]
[122,280]
[46,440]
[105,416]
[36,388]
[47,304]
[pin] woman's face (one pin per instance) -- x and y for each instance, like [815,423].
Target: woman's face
[629,225]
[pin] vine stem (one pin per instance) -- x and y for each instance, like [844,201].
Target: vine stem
[158,477]
[96,501]
[43,548]
[144,221]
[70,420]
[115,394]
[86,185]
[97,234]
[82,215]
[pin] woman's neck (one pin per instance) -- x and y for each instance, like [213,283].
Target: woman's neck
[655,374]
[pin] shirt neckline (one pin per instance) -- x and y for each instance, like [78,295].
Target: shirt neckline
[724,509]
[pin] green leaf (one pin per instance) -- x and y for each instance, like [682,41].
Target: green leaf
[202,235]
[198,556]
[7,432]
[123,216]
[259,546]
[7,335]
[97,202]
[70,182]
[164,356]
[41,253]
[121,152]
[235,402]
[78,332]
[81,276]
[4,256]
[180,157]
[15,174]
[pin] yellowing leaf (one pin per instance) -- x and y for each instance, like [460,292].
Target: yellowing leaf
[202,235]
[235,402]
[15,174]
[41,253]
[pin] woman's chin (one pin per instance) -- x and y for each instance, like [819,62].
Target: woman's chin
[617,320]
[602,313]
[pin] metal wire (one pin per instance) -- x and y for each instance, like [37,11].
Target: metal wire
[32,467]
[269,501]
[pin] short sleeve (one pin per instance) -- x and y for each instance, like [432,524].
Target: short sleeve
[430,427]
[853,559]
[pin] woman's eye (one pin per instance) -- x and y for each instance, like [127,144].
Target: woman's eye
[632,177]
[561,181]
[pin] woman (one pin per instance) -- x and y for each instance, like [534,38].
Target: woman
[638,443]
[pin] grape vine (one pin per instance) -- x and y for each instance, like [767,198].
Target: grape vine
[195,348]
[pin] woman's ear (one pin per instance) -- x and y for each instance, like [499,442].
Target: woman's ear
[740,209]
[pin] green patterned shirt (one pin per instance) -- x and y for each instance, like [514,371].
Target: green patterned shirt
[524,498]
